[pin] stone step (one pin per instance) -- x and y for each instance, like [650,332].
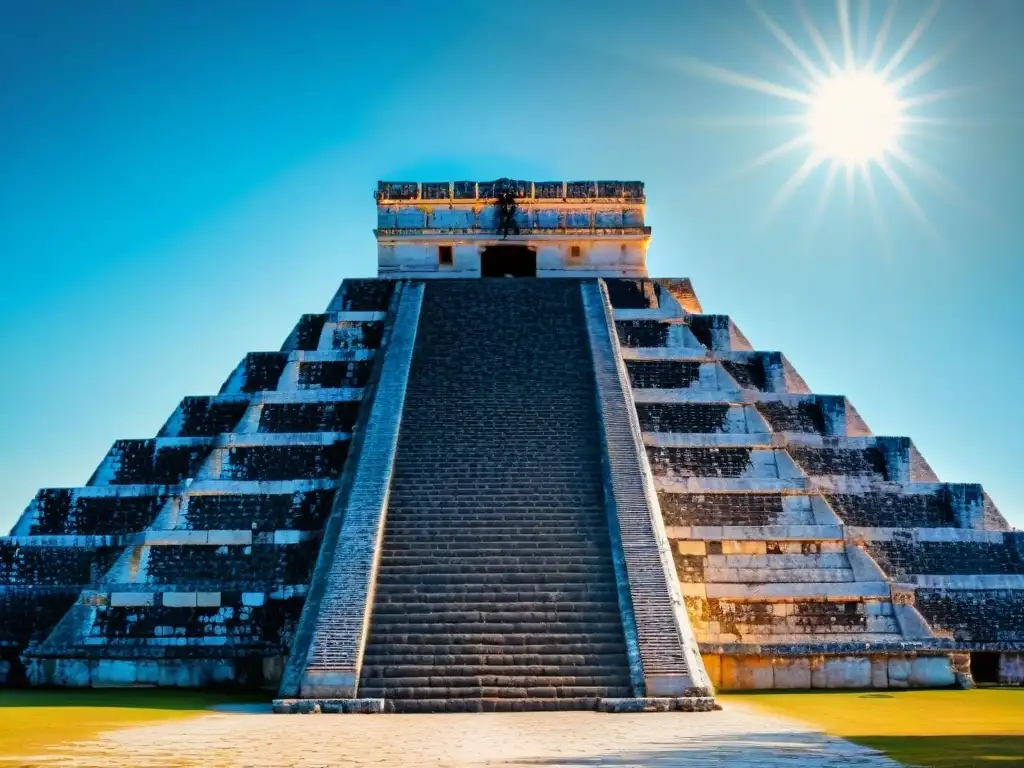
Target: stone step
[425,706]
[480,661]
[487,541]
[488,560]
[444,605]
[489,671]
[602,678]
[430,534]
[412,625]
[459,530]
[536,500]
[554,567]
[497,692]
[518,649]
[550,590]
[480,514]
[494,614]
[491,579]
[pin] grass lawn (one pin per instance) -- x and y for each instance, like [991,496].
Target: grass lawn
[33,721]
[939,729]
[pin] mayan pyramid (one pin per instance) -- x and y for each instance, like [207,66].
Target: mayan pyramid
[561,486]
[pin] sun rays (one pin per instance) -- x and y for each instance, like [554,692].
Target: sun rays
[853,106]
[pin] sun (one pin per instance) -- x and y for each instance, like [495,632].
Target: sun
[856,109]
[854,118]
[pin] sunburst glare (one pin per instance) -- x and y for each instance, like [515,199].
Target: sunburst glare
[854,117]
[854,111]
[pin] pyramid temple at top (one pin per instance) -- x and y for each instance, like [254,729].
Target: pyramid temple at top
[513,472]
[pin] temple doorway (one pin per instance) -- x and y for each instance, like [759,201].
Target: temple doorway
[508,261]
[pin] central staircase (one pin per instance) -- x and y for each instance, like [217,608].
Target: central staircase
[496,589]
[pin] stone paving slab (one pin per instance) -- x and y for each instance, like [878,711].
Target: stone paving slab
[736,737]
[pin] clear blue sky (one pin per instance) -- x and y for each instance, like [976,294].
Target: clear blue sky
[179,181]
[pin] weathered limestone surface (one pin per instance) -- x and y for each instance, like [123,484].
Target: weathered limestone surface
[789,519]
[808,551]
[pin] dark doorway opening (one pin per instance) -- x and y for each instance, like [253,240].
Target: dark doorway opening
[985,667]
[508,261]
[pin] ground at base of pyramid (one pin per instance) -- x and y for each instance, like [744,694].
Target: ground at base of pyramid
[513,473]
[138,728]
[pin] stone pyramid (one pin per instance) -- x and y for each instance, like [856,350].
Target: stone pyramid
[562,486]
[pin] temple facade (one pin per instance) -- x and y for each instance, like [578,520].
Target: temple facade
[513,472]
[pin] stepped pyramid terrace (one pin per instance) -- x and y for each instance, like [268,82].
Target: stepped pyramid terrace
[513,472]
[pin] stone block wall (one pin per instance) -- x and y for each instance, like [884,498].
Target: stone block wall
[284,462]
[66,511]
[339,416]
[349,336]
[719,509]
[262,370]
[642,333]
[157,461]
[750,373]
[205,417]
[805,416]
[369,295]
[693,461]
[306,336]
[975,616]
[757,519]
[632,294]
[894,510]
[662,374]
[212,528]
[902,557]
[299,511]
[844,462]
[702,418]
[25,564]
[242,567]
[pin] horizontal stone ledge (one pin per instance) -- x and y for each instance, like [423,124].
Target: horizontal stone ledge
[982,581]
[675,354]
[488,234]
[309,396]
[331,355]
[926,534]
[898,648]
[150,591]
[716,439]
[661,313]
[221,538]
[355,317]
[264,439]
[328,706]
[257,487]
[694,394]
[119,491]
[833,592]
[211,641]
[756,532]
[729,484]
[61,541]
[653,704]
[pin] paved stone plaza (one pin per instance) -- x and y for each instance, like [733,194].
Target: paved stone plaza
[736,737]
